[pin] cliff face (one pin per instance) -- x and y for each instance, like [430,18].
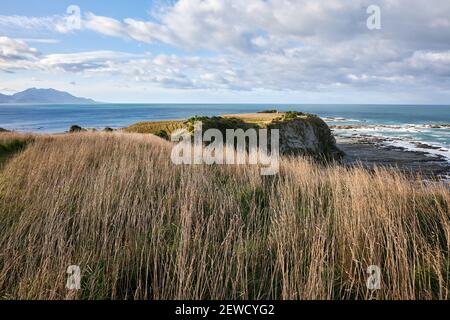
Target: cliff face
[306,135]
[301,134]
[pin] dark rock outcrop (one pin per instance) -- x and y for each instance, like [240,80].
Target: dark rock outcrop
[301,134]
[306,134]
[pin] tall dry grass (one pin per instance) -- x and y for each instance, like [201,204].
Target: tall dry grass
[143,228]
[12,142]
[8,137]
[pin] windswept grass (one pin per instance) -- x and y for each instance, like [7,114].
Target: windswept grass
[260,118]
[143,228]
[11,143]
[155,127]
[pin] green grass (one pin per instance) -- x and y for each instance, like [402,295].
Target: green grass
[9,148]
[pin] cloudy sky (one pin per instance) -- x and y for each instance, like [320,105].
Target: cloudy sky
[223,51]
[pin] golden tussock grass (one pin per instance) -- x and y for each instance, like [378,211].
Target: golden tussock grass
[8,137]
[154,127]
[11,142]
[142,228]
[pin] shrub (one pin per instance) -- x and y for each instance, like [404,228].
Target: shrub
[162,134]
[222,124]
[269,111]
[76,128]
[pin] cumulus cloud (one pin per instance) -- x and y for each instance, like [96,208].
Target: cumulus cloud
[105,25]
[254,25]
[302,68]
[16,54]
[11,49]
[263,44]
[81,61]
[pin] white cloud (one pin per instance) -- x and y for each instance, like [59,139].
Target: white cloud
[254,25]
[81,61]
[104,25]
[261,45]
[16,54]
[55,23]
[16,49]
[349,64]
[40,40]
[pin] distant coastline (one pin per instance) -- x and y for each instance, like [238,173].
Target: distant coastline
[43,96]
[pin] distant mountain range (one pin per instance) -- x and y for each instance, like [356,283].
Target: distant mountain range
[34,95]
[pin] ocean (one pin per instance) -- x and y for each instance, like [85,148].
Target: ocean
[413,127]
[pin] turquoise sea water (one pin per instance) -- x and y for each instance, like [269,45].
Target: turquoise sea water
[404,125]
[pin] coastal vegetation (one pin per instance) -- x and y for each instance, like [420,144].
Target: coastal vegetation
[300,133]
[141,227]
[156,127]
[169,126]
[11,143]
[76,128]
[269,111]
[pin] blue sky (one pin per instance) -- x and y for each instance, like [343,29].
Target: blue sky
[82,40]
[217,51]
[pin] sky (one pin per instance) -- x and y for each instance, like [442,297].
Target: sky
[229,51]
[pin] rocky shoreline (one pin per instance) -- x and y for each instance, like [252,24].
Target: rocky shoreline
[370,151]
[373,126]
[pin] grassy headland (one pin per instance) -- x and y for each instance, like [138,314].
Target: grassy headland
[260,119]
[141,227]
[159,128]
